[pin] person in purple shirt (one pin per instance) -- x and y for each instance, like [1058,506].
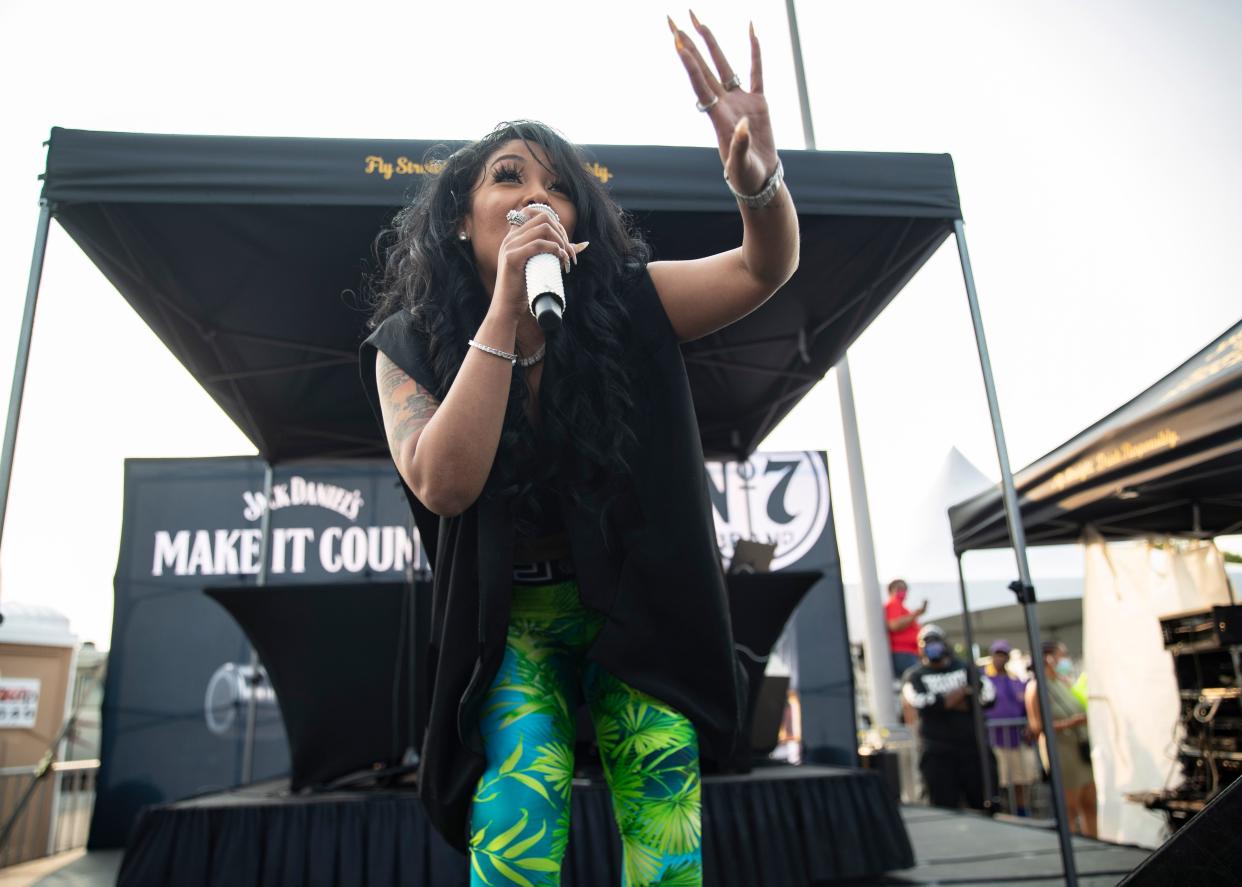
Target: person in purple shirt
[1015,759]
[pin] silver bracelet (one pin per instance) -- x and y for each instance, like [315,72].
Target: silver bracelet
[766,193]
[512,358]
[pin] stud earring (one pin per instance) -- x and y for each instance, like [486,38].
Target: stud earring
[461,235]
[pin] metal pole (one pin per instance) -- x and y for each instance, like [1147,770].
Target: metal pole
[23,357]
[265,557]
[1026,591]
[976,707]
[804,101]
[879,662]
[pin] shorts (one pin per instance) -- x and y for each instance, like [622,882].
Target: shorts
[1016,766]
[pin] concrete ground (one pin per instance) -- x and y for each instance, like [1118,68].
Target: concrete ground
[73,868]
[954,848]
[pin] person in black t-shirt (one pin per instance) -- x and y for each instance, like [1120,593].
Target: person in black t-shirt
[941,689]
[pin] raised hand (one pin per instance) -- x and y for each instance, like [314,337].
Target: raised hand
[740,118]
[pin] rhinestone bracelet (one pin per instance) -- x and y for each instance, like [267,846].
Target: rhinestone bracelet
[512,358]
[766,193]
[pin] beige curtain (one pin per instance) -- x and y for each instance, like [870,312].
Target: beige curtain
[1133,698]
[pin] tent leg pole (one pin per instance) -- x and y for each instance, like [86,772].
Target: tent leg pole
[23,357]
[265,558]
[976,709]
[1018,535]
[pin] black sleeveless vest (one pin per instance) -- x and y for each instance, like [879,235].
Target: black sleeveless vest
[654,572]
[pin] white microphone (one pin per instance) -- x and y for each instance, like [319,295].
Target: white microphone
[545,285]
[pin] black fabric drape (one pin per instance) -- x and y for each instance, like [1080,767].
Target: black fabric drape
[779,827]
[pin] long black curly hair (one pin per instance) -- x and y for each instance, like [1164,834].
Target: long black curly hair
[586,396]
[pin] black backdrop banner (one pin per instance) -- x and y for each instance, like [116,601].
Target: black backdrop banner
[786,498]
[176,693]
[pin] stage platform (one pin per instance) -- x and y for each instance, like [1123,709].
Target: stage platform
[951,849]
[779,826]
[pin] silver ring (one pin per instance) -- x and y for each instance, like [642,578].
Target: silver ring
[732,83]
[516,217]
[705,108]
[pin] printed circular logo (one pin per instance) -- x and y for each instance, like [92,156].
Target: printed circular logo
[228,696]
[771,497]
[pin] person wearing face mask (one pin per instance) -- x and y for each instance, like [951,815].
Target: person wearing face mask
[903,627]
[941,689]
[1069,725]
[557,481]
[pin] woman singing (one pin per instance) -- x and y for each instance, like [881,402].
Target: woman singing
[558,483]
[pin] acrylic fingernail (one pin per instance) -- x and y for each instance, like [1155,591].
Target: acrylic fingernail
[695,19]
[676,35]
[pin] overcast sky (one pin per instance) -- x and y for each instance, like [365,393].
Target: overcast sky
[1096,148]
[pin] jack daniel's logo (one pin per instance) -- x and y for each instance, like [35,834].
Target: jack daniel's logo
[300,491]
[771,497]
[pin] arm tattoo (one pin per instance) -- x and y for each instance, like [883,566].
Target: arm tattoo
[406,412]
[404,427]
[391,375]
[420,404]
[413,414]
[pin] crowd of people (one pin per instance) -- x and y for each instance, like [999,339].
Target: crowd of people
[940,692]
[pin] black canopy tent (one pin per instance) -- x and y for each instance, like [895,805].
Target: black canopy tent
[1168,462]
[243,255]
[246,257]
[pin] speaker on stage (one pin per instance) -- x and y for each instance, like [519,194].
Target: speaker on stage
[760,605]
[341,659]
[1204,851]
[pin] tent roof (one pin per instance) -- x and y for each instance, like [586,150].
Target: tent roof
[1168,462]
[245,256]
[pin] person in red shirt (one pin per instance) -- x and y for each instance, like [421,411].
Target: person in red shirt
[903,627]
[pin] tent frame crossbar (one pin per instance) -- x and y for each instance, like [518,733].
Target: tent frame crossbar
[734,347]
[1232,528]
[292,345]
[1167,505]
[696,360]
[217,378]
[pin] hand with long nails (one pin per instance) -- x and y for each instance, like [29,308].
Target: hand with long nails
[740,117]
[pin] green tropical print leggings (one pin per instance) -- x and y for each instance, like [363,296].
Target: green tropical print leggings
[520,816]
